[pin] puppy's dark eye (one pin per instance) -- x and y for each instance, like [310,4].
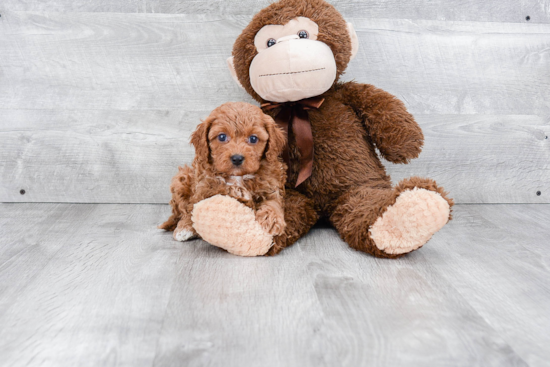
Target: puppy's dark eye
[222,137]
[271,42]
[253,139]
[303,34]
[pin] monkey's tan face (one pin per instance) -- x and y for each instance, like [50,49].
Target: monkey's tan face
[291,63]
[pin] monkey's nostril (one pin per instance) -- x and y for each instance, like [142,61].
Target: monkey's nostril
[237,159]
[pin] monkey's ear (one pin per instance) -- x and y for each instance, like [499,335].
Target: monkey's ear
[231,66]
[354,40]
[199,139]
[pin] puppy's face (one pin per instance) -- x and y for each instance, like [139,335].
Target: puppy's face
[237,147]
[236,137]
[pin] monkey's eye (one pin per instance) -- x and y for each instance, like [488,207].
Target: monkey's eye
[222,138]
[303,34]
[271,42]
[252,139]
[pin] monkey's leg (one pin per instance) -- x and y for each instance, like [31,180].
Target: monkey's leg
[300,216]
[392,222]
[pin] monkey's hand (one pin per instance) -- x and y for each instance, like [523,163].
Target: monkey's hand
[393,129]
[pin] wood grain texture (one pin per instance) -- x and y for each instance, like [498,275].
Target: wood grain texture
[497,258]
[134,61]
[457,67]
[130,156]
[99,107]
[116,61]
[470,10]
[82,285]
[484,158]
[99,285]
[93,155]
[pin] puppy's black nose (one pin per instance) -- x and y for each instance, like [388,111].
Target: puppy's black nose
[237,159]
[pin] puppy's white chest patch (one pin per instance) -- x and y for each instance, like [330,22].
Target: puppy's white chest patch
[237,188]
[235,181]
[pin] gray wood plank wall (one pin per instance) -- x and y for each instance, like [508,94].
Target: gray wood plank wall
[97,103]
[476,10]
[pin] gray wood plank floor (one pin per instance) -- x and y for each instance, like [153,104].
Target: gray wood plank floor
[99,285]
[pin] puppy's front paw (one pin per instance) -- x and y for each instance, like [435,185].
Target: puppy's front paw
[184,234]
[271,221]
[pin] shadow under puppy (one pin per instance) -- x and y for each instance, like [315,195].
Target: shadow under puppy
[237,151]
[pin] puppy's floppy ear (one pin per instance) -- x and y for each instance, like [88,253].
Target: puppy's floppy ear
[277,140]
[199,139]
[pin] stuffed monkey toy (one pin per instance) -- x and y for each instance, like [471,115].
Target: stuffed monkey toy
[289,59]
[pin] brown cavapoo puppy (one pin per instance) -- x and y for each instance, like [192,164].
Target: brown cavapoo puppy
[237,152]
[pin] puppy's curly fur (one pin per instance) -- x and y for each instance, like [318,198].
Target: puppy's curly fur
[258,182]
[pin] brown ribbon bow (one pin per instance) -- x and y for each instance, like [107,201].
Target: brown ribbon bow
[294,115]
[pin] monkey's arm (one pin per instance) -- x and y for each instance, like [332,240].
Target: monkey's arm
[393,130]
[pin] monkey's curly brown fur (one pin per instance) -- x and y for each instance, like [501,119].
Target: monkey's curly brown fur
[257,183]
[349,184]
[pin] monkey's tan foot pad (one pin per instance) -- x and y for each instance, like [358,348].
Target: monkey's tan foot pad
[224,222]
[410,222]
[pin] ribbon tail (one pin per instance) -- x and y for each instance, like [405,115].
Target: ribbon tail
[313,102]
[283,119]
[304,140]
